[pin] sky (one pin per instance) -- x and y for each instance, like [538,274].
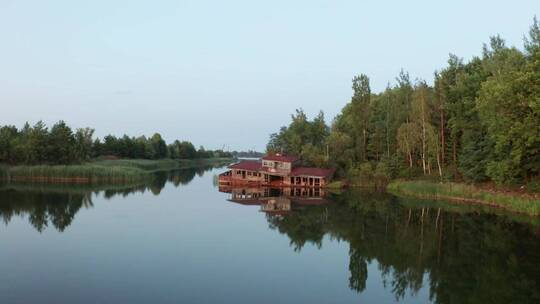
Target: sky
[225,74]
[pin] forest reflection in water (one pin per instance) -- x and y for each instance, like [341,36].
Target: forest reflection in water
[468,254]
[465,254]
[57,204]
[453,253]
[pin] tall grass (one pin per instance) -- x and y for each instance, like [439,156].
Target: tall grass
[143,164]
[100,171]
[87,173]
[161,164]
[466,193]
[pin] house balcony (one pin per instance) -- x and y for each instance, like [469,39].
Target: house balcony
[276,171]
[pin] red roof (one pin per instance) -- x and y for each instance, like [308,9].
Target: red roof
[282,158]
[249,165]
[312,172]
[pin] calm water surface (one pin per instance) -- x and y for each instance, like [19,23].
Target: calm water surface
[180,240]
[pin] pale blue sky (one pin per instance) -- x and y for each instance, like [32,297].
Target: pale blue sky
[224,72]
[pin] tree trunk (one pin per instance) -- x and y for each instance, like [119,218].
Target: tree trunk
[423,132]
[364,152]
[454,153]
[387,126]
[439,165]
[442,133]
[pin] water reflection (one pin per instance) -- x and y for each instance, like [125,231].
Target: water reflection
[57,204]
[466,257]
[277,201]
[457,253]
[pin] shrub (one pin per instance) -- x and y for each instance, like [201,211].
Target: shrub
[533,186]
[382,174]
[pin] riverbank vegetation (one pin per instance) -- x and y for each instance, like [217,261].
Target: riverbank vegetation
[59,154]
[479,121]
[102,171]
[522,203]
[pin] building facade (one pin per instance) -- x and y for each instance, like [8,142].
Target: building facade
[276,171]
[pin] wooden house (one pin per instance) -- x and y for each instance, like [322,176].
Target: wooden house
[275,171]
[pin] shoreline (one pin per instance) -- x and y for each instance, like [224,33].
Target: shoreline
[466,194]
[101,171]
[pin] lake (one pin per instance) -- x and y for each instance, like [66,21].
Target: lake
[179,239]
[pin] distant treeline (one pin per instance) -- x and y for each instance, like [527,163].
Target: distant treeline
[247,154]
[60,144]
[480,121]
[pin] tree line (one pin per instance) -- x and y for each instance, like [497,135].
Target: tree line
[479,121]
[60,144]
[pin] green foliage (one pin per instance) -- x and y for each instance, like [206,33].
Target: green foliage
[506,103]
[183,149]
[532,186]
[302,137]
[61,146]
[480,121]
[361,175]
[335,185]
[382,174]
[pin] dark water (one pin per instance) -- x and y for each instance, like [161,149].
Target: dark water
[180,240]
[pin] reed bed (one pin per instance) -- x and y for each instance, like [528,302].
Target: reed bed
[87,173]
[467,193]
[100,171]
[142,164]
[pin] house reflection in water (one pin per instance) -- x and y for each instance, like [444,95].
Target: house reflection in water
[277,201]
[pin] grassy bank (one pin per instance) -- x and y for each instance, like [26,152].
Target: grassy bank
[468,194]
[101,171]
